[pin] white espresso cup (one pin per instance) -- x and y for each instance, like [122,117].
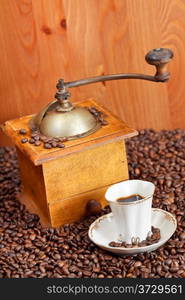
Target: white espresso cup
[132,219]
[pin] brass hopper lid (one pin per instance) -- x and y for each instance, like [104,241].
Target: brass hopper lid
[61,118]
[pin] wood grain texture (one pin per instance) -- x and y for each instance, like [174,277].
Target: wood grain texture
[44,40]
[74,208]
[33,194]
[84,171]
[115,130]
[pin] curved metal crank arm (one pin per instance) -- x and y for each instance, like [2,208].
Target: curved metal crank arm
[158,57]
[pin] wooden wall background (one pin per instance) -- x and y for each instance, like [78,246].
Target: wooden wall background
[43,40]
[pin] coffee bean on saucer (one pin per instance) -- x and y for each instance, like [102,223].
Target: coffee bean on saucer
[142,244]
[153,238]
[123,244]
[128,246]
[47,146]
[22,131]
[112,244]
[24,140]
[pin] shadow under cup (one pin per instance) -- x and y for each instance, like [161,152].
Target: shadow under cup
[132,219]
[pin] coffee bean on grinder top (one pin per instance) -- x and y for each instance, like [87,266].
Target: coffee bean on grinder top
[22,131]
[24,140]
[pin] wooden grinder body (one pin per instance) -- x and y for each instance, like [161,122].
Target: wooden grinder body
[58,183]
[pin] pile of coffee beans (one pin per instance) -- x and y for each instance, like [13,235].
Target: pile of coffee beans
[29,250]
[135,243]
[37,139]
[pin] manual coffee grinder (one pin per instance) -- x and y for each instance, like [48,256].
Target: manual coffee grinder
[70,154]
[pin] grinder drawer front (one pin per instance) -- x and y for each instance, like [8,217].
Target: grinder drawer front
[85,171]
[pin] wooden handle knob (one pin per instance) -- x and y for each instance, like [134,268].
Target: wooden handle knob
[159,57]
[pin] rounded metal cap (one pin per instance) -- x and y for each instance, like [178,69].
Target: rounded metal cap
[76,123]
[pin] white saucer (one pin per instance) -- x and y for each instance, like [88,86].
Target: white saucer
[102,232]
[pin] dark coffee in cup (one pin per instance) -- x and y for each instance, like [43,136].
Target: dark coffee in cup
[131,198]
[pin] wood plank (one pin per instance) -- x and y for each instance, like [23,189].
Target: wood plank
[150,99]
[172,24]
[116,129]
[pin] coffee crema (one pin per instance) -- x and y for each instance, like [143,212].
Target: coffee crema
[131,198]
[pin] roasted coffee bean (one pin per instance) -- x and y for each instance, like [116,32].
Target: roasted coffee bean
[24,140]
[34,134]
[37,143]
[137,264]
[47,146]
[93,109]
[31,141]
[104,122]
[60,145]
[99,115]
[113,244]
[36,137]
[27,250]
[182,236]
[48,142]
[93,207]
[43,138]
[22,131]
[63,139]
[153,238]
[54,144]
